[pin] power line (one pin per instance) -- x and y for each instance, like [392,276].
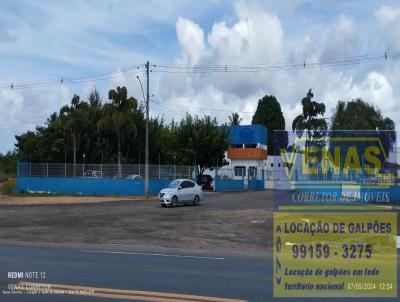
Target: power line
[203,69]
[206,109]
[165,107]
[198,69]
[100,76]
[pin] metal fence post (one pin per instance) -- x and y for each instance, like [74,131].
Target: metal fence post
[47,169]
[30,168]
[243,174]
[216,178]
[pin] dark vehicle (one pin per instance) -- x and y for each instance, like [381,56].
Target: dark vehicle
[205,181]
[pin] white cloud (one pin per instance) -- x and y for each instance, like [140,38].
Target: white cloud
[26,109]
[386,14]
[342,40]
[191,38]
[256,38]
[375,88]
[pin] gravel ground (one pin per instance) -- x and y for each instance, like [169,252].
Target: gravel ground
[239,222]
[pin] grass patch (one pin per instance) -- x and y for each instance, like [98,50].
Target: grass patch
[8,186]
[5,176]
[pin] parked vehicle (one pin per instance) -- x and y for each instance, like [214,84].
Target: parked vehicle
[134,177]
[92,173]
[205,181]
[181,191]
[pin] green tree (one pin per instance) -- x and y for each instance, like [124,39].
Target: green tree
[235,119]
[30,146]
[74,120]
[269,114]
[93,144]
[359,115]
[198,140]
[8,162]
[363,117]
[309,121]
[117,114]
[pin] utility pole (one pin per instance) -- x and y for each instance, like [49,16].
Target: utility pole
[146,164]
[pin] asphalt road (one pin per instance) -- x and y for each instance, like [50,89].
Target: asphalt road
[146,276]
[227,277]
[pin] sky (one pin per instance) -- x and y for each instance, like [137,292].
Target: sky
[43,40]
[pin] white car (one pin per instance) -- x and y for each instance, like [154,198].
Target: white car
[181,191]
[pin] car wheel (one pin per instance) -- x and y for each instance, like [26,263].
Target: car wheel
[196,200]
[174,202]
[163,205]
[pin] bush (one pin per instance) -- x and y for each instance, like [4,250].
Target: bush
[8,186]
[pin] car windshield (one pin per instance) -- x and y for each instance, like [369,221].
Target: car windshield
[174,184]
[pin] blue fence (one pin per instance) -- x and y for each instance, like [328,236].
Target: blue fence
[244,180]
[256,184]
[89,186]
[226,185]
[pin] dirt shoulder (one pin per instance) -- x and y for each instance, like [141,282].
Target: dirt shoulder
[48,200]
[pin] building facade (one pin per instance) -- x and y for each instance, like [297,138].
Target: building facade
[247,151]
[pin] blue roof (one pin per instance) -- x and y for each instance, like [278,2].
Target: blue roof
[248,134]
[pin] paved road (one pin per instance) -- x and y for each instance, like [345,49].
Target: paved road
[230,277]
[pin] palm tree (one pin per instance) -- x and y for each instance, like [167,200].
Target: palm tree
[117,116]
[234,119]
[308,120]
[74,118]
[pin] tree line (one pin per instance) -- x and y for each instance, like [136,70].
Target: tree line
[95,131]
[114,132]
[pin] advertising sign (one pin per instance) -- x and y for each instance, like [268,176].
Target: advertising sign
[335,219]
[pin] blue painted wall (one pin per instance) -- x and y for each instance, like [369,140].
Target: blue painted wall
[89,186]
[248,134]
[256,184]
[226,185]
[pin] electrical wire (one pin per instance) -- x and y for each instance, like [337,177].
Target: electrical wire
[99,76]
[198,69]
[203,109]
[202,69]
